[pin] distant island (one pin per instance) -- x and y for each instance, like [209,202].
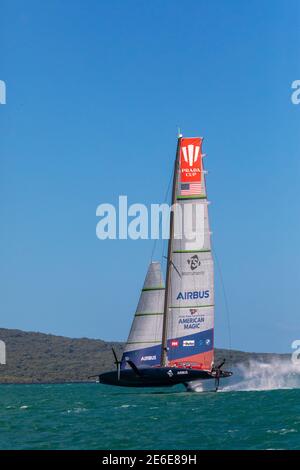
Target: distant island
[44,358]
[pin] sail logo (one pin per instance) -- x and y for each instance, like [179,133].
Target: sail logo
[194,262]
[201,294]
[188,342]
[191,323]
[205,342]
[148,358]
[191,154]
[190,160]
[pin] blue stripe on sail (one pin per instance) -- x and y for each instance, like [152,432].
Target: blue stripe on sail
[199,343]
[143,357]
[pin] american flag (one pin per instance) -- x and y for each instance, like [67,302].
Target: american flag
[189,189]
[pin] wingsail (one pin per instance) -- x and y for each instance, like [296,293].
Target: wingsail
[190,303]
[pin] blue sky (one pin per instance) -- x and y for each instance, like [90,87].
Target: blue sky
[95,92]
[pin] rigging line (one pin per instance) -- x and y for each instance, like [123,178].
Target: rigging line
[165,200]
[225,300]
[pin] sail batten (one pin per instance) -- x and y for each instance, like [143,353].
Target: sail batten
[146,289]
[192,251]
[190,197]
[148,313]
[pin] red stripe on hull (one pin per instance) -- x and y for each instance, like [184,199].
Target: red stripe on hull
[202,361]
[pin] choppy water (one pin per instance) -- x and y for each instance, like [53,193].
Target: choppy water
[245,415]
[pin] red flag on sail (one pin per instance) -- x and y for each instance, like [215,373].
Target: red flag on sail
[191,160]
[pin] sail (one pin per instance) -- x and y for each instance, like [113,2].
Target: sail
[190,303]
[143,346]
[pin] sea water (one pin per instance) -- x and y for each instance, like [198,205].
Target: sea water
[258,409]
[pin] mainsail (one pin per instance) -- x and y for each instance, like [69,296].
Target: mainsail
[189,304]
[143,346]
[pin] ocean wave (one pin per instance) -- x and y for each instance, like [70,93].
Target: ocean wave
[126,406]
[77,410]
[282,431]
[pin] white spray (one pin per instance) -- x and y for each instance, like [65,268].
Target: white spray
[256,375]
[276,374]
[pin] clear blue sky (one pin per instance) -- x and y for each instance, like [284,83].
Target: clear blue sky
[95,92]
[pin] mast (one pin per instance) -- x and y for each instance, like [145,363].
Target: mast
[164,357]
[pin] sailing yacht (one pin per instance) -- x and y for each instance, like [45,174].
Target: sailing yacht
[171,340]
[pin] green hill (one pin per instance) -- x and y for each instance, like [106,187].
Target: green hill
[38,357]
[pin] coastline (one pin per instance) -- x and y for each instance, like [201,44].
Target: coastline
[39,358]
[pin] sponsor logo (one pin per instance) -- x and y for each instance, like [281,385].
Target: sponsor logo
[191,322]
[174,343]
[190,160]
[148,358]
[170,373]
[188,342]
[191,154]
[194,262]
[201,294]
[193,273]
[204,341]
[182,372]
